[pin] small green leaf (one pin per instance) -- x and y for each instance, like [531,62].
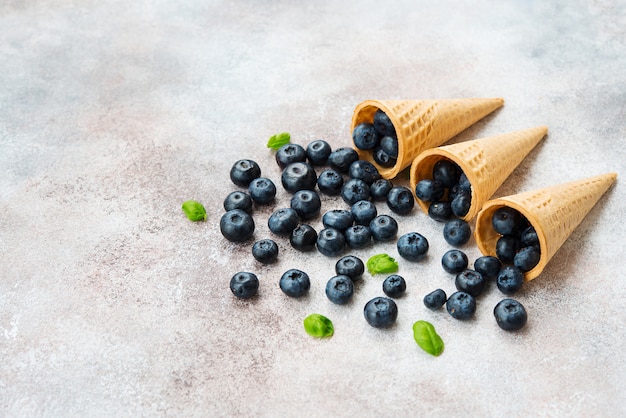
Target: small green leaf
[381,263]
[318,326]
[194,210]
[427,338]
[278,140]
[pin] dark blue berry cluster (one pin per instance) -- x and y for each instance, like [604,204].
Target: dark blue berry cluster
[379,137]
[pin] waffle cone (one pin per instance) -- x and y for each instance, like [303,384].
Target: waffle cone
[487,162]
[553,211]
[422,124]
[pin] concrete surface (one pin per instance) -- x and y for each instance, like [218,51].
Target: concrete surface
[113,113]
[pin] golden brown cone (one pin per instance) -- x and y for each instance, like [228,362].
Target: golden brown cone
[487,162]
[553,211]
[422,124]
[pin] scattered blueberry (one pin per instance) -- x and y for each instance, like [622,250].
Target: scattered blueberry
[440,211]
[435,299]
[354,190]
[295,283]
[506,248]
[383,159]
[412,246]
[461,203]
[446,172]
[488,266]
[339,219]
[339,289]
[364,170]
[306,203]
[394,286]
[381,312]
[365,136]
[457,232]
[510,279]
[383,228]
[389,144]
[358,236]
[351,266]
[504,220]
[510,314]
[383,124]
[237,225]
[470,281]
[244,171]
[262,190]
[341,158]
[238,200]
[265,251]
[298,176]
[461,305]
[317,152]
[400,200]
[290,153]
[330,242]
[330,182]
[454,261]
[527,258]
[303,237]
[244,284]
[363,212]
[380,189]
[283,221]
[429,190]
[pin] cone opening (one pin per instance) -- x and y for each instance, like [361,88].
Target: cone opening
[486,237]
[364,112]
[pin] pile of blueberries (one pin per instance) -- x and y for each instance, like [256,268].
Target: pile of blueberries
[449,192]
[379,137]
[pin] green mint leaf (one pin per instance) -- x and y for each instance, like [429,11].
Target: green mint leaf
[427,338]
[318,326]
[194,210]
[381,263]
[278,140]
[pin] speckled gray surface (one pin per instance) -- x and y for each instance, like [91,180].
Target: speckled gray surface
[113,113]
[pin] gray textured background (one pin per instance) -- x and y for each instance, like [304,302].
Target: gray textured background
[113,113]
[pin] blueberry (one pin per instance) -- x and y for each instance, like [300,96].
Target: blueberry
[363,212]
[330,242]
[358,236]
[330,182]
[238,200]
[457,232]
[341,158]
[506,248]
[298,176]
[394,286]
[283,221]
[400,200]
[440,211]
[383,124]
[429,190]
[364,170]
[244,171]
[383,159]
[454,261]
[383,228]
[389,144]
[527,258]
[365,136]
[306,203]
[317,152]
[446,172]
[381,312]
[435,299]
[354,190]
[244,284]
[510,279]
[461,203]
[262,190]
[380,189]
[461,305]
[303,237]
[351,266]
[453,191]
[488,266]
[339,219]
[464,183]
[470,281]
[295,283]
[339,289]
[504,220]
[265,251]
[236,225]
[510,314]
[529,237]
[412,246]
[290,153]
